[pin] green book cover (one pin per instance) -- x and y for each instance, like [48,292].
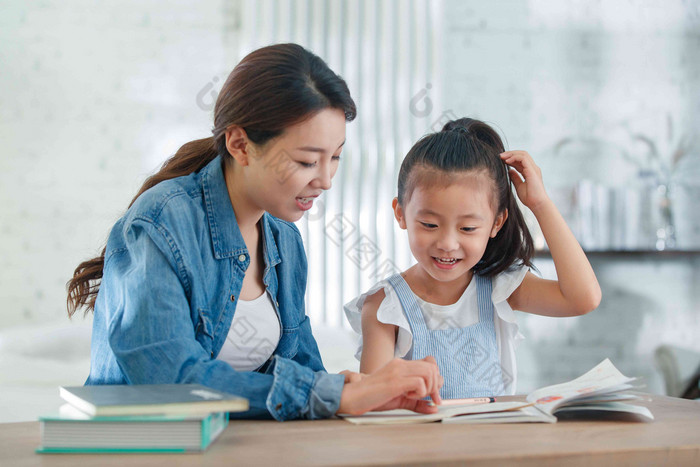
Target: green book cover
[72,431]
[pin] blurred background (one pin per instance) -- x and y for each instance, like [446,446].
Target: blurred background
[94,96]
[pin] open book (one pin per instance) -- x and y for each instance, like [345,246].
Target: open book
[599,392]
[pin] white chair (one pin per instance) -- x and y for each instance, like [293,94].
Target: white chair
[678,366]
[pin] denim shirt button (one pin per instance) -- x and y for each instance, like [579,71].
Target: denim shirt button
[212,354]
[278,407]
[241,258]
[233,298]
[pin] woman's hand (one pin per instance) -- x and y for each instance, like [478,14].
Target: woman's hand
[400,384]
[530,190]
[351,376]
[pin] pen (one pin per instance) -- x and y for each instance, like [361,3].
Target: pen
[470,400]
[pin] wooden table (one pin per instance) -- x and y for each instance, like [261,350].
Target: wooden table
[672,439]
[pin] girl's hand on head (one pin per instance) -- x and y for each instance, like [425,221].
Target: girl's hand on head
[400,384]
[521,166]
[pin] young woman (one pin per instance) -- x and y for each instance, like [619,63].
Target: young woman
[203,279]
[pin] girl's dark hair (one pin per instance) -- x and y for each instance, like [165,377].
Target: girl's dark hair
[471,145]
[271,89]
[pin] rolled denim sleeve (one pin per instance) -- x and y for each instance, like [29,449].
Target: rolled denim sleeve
[299,392]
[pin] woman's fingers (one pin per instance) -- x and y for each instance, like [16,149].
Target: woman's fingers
[415,387]
[421,406]
[399,384]
[351,376]
[435,380]
[428,371]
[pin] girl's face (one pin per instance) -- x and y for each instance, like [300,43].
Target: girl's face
[287,174]
[449,226]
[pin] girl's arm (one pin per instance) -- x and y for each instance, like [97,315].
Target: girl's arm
[576,291]
[378,339]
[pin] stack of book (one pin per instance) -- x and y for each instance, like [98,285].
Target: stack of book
[137,418]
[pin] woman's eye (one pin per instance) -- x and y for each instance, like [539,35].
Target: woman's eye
[307,165]
[336,158]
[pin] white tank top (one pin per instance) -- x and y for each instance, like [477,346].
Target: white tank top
[253,336]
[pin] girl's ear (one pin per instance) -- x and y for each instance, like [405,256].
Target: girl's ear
[238,144]
[398,213]
[498,223]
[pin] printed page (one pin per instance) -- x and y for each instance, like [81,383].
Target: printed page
[604,378]
[401,416]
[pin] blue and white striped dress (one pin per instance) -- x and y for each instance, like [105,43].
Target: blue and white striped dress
[462,314]
[468,357]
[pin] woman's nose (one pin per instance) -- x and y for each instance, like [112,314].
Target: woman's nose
[323,177]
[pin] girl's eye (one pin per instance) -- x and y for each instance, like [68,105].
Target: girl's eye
[336,158]
[307,165]
[428,226]
[468,229]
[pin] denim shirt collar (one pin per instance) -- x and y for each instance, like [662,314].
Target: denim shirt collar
[226,236]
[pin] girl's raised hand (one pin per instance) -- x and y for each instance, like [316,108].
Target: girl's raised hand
[400,384]
[521,166]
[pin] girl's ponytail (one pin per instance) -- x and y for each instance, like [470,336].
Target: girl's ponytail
[512,245]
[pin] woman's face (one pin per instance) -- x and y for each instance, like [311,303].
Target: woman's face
[288,173]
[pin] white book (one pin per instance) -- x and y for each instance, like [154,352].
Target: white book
[599,392]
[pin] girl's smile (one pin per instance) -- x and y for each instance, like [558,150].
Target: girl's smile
[446,263]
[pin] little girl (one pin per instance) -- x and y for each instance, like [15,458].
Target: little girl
[473,253]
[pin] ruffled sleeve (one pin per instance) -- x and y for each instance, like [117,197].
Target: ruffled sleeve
[509,335]
[389,312]
[503,287]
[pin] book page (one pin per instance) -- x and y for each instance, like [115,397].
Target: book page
[604,378]
[401,416]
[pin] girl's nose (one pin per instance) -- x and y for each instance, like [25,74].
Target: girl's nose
[448,242]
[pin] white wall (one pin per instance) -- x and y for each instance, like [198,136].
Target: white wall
[93,97]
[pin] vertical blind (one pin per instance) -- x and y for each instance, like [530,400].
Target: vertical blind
[388,53]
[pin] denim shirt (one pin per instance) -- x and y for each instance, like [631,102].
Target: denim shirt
[173,270]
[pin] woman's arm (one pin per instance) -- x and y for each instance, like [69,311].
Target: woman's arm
[144,331]
[378,339]
[576,291]
[147,331]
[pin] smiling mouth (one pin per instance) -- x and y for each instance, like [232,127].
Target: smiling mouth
[447,261]
[306,200]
